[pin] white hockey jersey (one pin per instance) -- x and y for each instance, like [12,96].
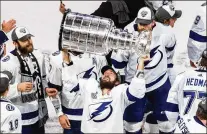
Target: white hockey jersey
[197,36]
[187,91]
[190,126]
[29,110]
[157,69]
[11,121]
[84,66]
[103,113]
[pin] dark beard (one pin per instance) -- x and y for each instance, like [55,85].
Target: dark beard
[24,50]
[107,84]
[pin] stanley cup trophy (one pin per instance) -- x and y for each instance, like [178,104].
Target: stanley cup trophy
[97,35]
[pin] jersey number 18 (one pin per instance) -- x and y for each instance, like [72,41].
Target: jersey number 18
[13,125]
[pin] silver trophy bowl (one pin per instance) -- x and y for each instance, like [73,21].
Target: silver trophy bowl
[97,35]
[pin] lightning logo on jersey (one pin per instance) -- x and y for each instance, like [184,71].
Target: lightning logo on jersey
[87,74]
[100,112]
[154,52]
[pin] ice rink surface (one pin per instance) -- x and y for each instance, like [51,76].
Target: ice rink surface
[43,18]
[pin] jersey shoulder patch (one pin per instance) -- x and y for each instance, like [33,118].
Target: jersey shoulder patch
[9,107]
[56,53]
[5,59]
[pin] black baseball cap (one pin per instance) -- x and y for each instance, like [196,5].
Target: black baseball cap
[107,67]
[21,33]
[5,78]
[166,12]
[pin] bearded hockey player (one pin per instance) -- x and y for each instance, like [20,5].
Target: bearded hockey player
[189,90]
[104,102]
[86,66]
[197,37]
[10,115]
[196,124]
[27,91]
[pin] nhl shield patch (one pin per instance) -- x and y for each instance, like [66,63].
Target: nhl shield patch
[9,107]
[94,95]
[5,59]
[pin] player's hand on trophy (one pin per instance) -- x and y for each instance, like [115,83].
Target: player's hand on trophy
[8,26]
[51,92]
[142,60]
[64,121]
[62,8]
[25,87]
[66,56]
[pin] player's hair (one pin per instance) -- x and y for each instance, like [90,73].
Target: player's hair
[2,93]
[166,22]
[203,62]
[201,114]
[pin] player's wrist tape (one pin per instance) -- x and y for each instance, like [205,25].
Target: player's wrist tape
[140,74]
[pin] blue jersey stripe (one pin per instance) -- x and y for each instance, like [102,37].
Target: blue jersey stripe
[197,37]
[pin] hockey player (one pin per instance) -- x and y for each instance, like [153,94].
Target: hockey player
[197,37]
[156,70]
[188,90]
[196,124]
[86,66]
[104,102]
[6,28]
[10,115]
[29,84]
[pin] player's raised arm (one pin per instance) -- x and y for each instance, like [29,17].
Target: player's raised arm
[69,74]
[137,87]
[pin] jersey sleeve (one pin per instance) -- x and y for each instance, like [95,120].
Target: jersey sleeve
[3,37]
[119,60]
[54,76]
[71,82]
[197,36]
[8,64]
[174,98]
[136,90]
[101,62]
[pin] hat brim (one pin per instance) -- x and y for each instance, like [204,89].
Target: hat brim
[107,67]
[142,21]
[26,37]
[177,14]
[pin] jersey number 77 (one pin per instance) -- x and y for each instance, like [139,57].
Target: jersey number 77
[192,95]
